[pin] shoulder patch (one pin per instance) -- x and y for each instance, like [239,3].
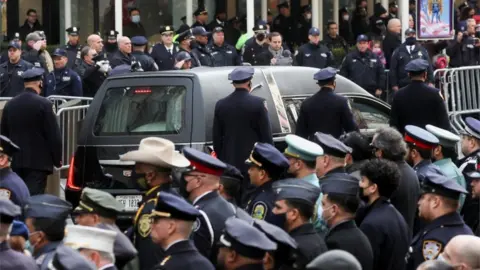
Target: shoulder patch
[259,210]
[144,225]
[196,225]
[5,193]
[165,260]
[431,249]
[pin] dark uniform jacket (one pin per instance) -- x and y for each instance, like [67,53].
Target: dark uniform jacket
[14,260]
[310,244]
[464,53]
[406,196]
[11,81]
[183,255]
[28,120]
[400,58]
[317,56]
[63,82]
[225,55]
[261,203]
[286,27]
[431,241]
[240,121]
[91,77]
[388,234]
[123,248]
[252,50]
[73,54]
[147,62]
[12,187]
[418,104]
[325,104]
[204,55]
[118,58]
[164,59]
[149,253]
[390,43]
[215,211]
[471,207]
[364,69]
[347,236]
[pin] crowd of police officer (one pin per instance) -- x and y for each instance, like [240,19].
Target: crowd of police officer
[378,205]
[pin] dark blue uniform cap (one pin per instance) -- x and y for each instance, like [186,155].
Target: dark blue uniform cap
[202,162]
[275,233]
[417,65]
[442,185]
[8,208]
[267,157]
[314,31]
[121,69]
[283,5]
[472,128]
[172,206]
[420,137]
[166,29]
[241,74]
[260,26]
[362,38]
[475,175]
[14,44]
[184,35]
[200,11]
[112,34]
[73,31]
[339,183]
[47,206]
[325,74]
[59,52]
[232,173]
[306,8]
[295,189]
[331,146]
[139,40]
[245,239]
[66,258]
[7,146]
[33,74]
[19,229]
[200,31]
[183,56]
[218,29]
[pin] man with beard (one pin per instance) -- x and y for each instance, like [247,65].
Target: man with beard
[392,39]
[420,144]
[73,47]
[314,54]
[154,160]
[295,202]
[470,142]
[380,222]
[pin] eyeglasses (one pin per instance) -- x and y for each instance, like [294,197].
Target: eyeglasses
[167,34]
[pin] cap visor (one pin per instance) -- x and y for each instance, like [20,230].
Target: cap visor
[177,161]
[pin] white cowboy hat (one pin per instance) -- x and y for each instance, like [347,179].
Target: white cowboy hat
[157,151]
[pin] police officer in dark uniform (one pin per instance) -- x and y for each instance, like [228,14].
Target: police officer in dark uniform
[328,104]
[185,40]
[4,54]
[11,81]
[223,54]
[201,17]
[206,170]
[285,24]
[314,54]
[299,198]
[341,202]
[111,45]
[230,184]
[62,80]
[256,46]
[180,253]
[154,160]
[444,222]
[12,186]
[202,51]
[304,25]
[38,134]
[73,47]
[420,144]
[266,165]
[138,51]
[248,244]
[11,259]
[364,68]
[404,54]
[418,104]
[233,132]
[164,53]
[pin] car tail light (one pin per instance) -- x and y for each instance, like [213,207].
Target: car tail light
[213,154]
[70,177]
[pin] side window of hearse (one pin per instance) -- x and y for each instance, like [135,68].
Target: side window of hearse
[367,115]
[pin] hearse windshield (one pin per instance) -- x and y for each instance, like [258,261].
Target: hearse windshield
[141,111]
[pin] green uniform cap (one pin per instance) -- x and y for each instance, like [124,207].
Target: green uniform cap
[301,148]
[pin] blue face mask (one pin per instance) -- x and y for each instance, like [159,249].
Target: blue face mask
[136,18]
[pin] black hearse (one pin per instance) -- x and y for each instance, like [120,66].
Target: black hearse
[179,106]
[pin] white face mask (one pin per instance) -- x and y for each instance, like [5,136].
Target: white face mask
[346,17]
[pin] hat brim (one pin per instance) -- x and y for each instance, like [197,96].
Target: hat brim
[59,55]
[176,161]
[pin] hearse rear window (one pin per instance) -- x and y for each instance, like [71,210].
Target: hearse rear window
[141,111]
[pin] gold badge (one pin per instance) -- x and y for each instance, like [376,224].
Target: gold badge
[144,225]
[431,249]
[5,193]
[259,210]
[165,260]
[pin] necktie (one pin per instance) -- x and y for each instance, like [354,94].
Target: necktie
[170,51]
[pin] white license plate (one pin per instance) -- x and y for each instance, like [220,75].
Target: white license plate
[130,201]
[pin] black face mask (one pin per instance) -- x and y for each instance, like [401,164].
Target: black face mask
[139,181]
[182,184]
[410,41]
[260,37]
[111,46]
[282,219]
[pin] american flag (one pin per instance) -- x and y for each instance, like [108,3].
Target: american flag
[429,29]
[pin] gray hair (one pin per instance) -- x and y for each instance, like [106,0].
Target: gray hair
[435,265]
[392,22]
[391,142]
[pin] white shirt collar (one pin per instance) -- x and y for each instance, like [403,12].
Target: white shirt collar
[201,196]
[169,47]
[219,22]
[106,266]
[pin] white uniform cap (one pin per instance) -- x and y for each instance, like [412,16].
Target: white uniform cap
[445,137]
[92,238]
